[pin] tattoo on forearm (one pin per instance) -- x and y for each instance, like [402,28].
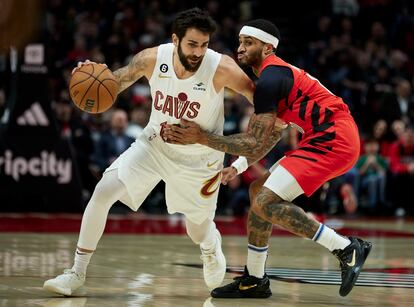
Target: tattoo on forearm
[127,75]
[286,214]
[237,144]
[258,230]
[268,145]
[248,144]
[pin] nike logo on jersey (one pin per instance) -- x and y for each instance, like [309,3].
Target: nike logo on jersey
[352,263]
[211,164]
[244,288]
[161,76]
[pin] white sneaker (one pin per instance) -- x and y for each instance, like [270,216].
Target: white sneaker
[65,283]
[214,265]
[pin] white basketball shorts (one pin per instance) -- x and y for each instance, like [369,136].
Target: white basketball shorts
[191,181]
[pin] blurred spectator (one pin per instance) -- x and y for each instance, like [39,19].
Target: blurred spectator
[402,168]
[398,104]
[398,128]
[71,128]
[138,120]
[345,7]
[114,141]
[372,168]
[379,87]
[382,136]
[340,195]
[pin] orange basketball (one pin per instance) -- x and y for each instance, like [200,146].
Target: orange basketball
[93,88]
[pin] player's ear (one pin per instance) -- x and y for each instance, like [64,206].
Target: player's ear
[267,49]
[175,39]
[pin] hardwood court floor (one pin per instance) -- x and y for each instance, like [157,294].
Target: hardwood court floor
[164,270]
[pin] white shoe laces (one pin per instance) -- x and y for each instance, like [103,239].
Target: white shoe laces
[209,259]
[72,273]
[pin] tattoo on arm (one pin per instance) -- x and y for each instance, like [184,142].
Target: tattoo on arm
[256,141]
[269,143]
[129,74]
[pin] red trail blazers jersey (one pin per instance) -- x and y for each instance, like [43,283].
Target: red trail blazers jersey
[330,144]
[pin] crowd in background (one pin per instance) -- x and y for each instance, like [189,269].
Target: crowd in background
[361,50]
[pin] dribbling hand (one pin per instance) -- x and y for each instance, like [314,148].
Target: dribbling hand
[80,64]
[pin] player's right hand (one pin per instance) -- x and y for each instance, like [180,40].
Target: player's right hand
[228,174]
[80,64]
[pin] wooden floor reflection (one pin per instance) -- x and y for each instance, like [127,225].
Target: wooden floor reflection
[163,270]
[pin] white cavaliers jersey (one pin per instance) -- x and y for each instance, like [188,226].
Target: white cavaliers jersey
[194,99]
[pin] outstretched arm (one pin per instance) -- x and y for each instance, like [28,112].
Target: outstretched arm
[262,134]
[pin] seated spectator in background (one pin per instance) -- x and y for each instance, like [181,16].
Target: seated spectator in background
[372,168]
[397,129]
[399,104]
[114,141]
[402,169]
[138,120]
[379,87]
[341,193]
[71,128]
[383,137]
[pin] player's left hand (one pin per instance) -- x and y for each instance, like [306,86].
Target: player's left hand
[186,133]
[228,174]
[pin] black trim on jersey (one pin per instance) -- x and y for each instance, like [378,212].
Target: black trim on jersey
[303,105]
[314,150]
[303,157]
[274,84]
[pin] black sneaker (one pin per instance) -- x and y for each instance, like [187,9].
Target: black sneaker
[245,286]
[351,260]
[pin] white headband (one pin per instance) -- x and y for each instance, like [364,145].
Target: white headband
[260,35]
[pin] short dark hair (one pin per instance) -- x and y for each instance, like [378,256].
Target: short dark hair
[193,18]
[370,139]
[265,25]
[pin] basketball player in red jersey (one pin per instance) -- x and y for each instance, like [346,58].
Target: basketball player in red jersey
[329,147]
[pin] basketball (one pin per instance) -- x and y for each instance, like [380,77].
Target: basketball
[93,88]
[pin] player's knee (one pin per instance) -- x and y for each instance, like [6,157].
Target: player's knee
[256,185]
[196,238]
[99,192]
[265,199]
[108,190]
[197,233]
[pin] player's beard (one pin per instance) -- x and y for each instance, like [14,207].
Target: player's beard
[185,62]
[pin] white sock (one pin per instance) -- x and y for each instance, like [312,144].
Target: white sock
[210,241]
[327,237]
[81,261]
[256,260]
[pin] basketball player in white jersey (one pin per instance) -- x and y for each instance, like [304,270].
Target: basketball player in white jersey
[187,81]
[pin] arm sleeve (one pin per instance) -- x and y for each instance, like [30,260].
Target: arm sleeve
[274,84]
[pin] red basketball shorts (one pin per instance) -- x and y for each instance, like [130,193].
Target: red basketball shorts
[324,155]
